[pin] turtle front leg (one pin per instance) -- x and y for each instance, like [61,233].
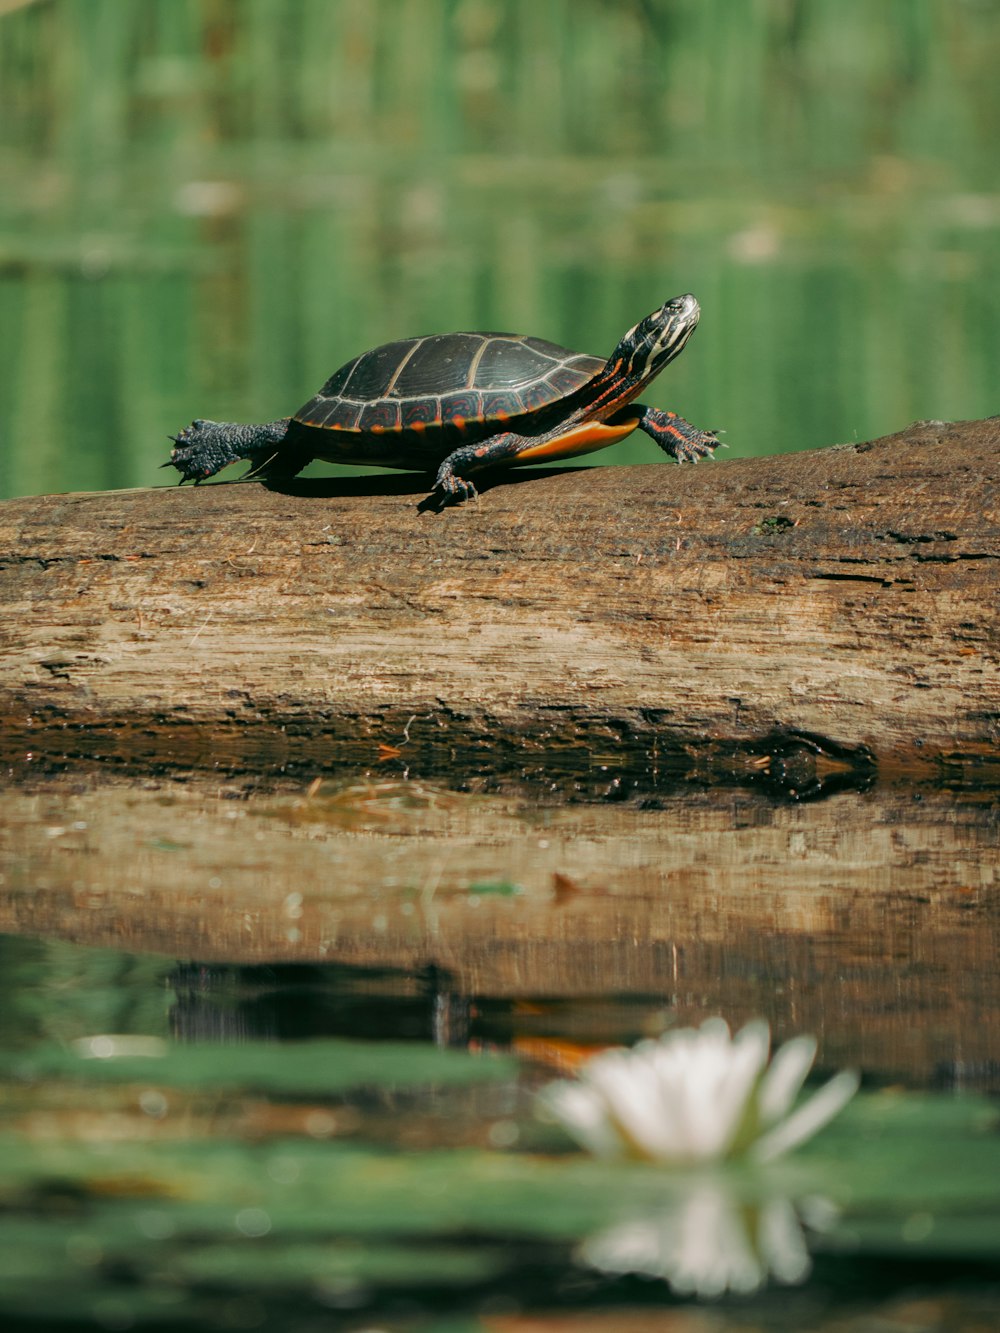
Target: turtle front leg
[452,481]
[674,435]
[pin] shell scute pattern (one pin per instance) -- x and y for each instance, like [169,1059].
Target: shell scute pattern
[447,379]
[566,379]
[383,414]
[370,375]
[509,363]
[500,406]
[459,407]
[435,364]
[417,412]
[337,414]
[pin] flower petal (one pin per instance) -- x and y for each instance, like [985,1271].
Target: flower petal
[584,1115]
[803,1123]
[732,1116]
[785,1075]
[632,1091]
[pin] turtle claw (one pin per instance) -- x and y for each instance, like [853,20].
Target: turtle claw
[454,489]
[183,457]
[693,451]
[198,452]
[456,495]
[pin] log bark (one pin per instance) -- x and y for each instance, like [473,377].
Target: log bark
[839,605]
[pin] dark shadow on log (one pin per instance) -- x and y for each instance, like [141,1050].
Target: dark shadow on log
[417,484]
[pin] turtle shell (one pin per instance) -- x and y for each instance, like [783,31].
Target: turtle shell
[463,381]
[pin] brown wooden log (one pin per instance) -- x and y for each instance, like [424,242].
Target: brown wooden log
[840,604]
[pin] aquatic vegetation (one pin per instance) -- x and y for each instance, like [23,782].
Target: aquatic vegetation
[696,1095]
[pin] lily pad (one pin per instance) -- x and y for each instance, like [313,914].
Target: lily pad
[306,1068]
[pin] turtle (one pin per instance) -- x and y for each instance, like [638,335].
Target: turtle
[464,403]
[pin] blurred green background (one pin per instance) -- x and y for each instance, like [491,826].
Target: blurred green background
[206,206]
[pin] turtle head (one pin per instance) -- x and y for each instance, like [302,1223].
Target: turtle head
[657,339]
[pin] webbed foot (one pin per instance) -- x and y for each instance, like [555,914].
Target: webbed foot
[678,437]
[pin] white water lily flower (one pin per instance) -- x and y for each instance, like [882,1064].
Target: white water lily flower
[708,1242]
[696,1095]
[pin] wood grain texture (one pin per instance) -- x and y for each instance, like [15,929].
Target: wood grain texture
[847,595]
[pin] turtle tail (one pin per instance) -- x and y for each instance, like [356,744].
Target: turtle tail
[205,447]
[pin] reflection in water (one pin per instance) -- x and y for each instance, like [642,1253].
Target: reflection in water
[869,919]
[709,1242]
[213,1002]
[294,1002]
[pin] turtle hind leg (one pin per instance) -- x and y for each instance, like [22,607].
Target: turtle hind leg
[206,447]
[674,435]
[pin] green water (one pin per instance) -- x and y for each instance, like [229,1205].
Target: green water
[207,207]
[232,1160]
